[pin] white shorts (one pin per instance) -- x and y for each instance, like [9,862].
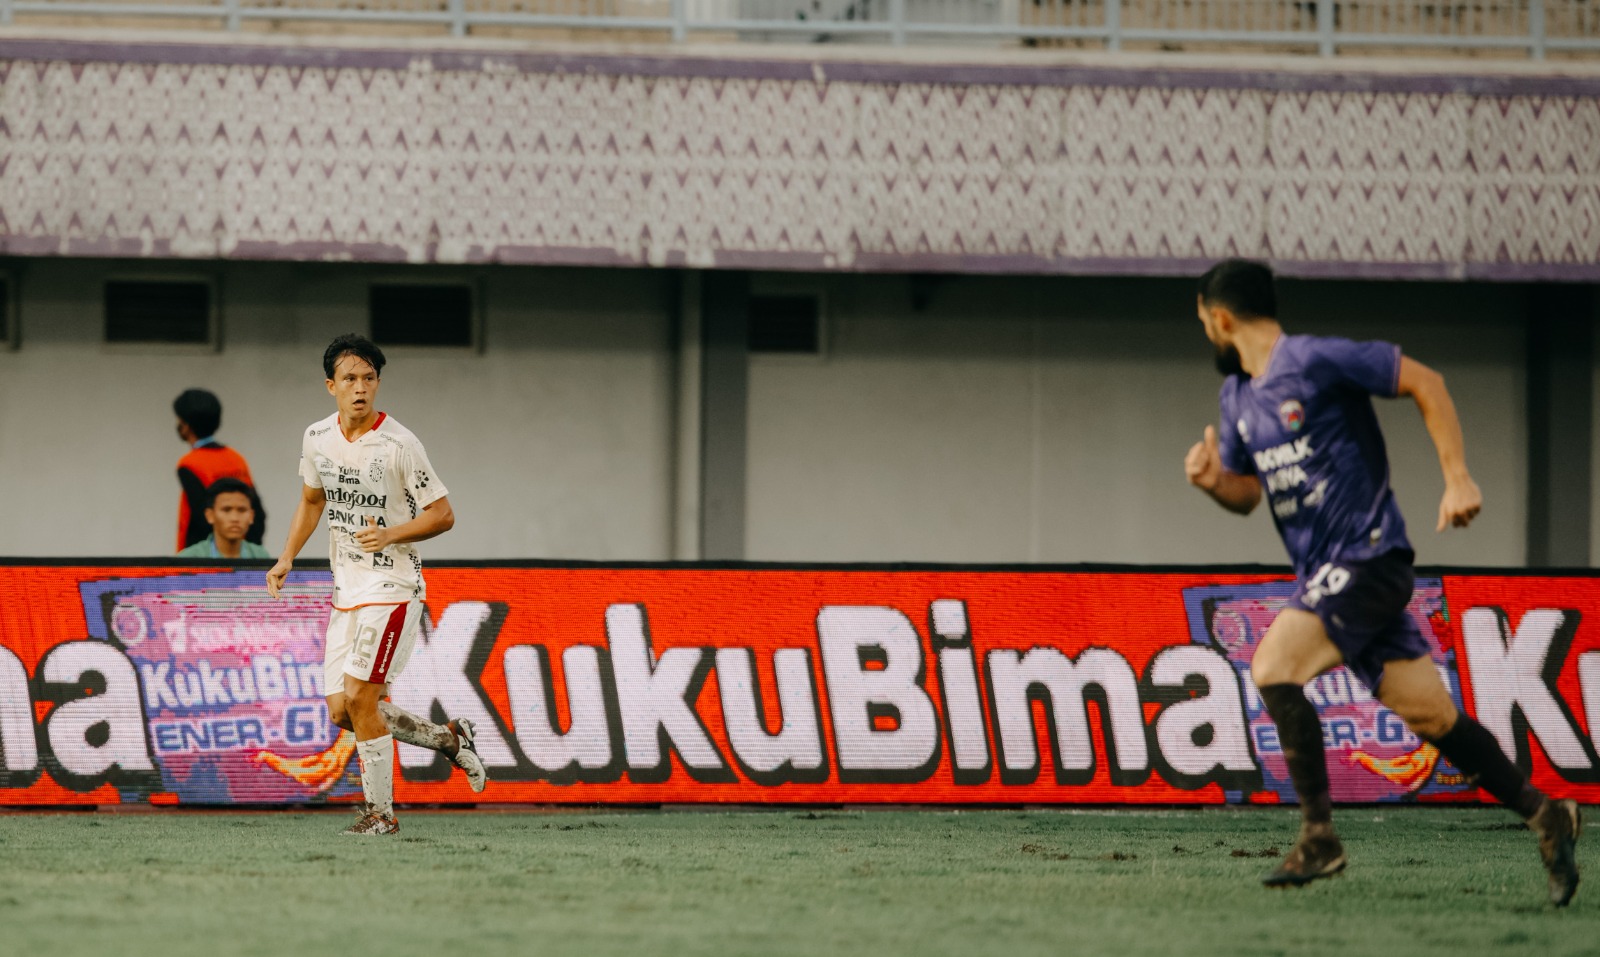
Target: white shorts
[372,642]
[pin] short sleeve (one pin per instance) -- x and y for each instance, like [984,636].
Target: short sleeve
[1372,367]
[1230,444]
[421,482]
[308,465]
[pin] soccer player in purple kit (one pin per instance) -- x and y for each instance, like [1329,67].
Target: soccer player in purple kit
[1297,422]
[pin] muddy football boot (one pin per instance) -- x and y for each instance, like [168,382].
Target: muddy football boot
[1558,825]
[466,757]
[1313,856]
[371,822]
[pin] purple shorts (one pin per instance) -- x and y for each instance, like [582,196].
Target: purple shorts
[1362,606]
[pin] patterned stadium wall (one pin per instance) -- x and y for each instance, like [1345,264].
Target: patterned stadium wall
[647,685]
[1038,165]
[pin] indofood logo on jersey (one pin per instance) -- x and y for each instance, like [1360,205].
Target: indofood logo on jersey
[1292,414]
[342,496]
[667,685]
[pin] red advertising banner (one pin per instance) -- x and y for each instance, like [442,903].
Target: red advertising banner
[649,685]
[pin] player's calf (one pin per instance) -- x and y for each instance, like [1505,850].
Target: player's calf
[1476,752]
[454,740]
[411,729]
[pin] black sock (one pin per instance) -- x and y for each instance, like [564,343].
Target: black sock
[1469,746]
[1300,735]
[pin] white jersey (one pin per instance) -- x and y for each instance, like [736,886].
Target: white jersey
[385,474]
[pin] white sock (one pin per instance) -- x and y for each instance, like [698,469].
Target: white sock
[377,773]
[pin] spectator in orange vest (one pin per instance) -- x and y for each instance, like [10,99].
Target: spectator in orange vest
[199,413]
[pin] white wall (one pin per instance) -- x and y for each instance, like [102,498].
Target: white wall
[1019,420]
[555,441]
[1014,419]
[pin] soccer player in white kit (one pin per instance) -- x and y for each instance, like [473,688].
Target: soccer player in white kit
[372,477]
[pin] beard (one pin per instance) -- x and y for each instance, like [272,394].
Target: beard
[1228,362]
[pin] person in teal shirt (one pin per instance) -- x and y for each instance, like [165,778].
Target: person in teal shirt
[230,514]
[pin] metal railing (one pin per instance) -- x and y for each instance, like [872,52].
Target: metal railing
[1533,28]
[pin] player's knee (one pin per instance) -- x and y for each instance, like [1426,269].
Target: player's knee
[1264,674]
[1267,670]
[1429,719]
[364,702]
[1430,725]
[339,716]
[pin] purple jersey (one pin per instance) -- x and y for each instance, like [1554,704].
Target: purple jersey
[1306,429]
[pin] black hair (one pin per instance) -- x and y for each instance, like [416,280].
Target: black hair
[351,344]
[223,486]
[200,410]
[1243,286]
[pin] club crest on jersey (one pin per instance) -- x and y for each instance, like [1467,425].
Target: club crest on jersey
[375,471]
[1292,414]
[1244,431]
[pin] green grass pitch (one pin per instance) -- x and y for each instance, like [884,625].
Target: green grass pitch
[1422,881]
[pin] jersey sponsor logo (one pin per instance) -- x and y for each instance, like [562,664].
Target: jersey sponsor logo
[1289,453]
[343,496]
[1283,479]
[351,520]
[349,476]
[314,433]
[1292,414]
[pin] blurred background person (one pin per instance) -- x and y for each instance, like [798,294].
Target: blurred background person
[230,512]
[199,415]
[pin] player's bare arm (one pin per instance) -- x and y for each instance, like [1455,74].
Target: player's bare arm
[306,515]
[1203,467]
[436,519]
[1462,500]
